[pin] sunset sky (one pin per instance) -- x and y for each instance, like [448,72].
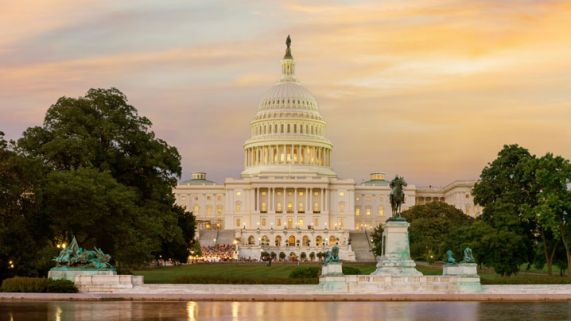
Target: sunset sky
[426,89]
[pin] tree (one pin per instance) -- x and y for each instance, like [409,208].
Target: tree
[24,242]
[377,237]
[282,256]
[178,248]
[552,175]
[312,256]
[506,188]
[303,256]
[101,137]
[431,227]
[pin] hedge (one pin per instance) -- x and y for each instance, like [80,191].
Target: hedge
[26,284]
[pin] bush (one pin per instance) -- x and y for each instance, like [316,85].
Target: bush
[349,270]
[197,279]
[25,284]
[60,286]
[282,256]
[311,272]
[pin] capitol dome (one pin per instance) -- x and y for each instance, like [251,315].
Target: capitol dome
[288,132]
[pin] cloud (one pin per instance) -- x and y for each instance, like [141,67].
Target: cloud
[429,89]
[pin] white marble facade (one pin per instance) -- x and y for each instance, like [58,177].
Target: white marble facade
[288,192]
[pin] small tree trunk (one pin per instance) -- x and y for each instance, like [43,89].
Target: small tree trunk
[566,245]
[548,260]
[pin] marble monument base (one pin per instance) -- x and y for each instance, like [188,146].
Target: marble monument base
[460,269]
[396,251]
[70,273]
[332,269]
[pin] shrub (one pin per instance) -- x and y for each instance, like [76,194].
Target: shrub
[25,284]
[303,256]
[282,256]
[312,256]
[61,286]
[310,272]
[349,270]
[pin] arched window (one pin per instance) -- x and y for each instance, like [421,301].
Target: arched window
[196,210]
[332,240]
[318,240]
[305,240]
[251,240]
[265,240]
[278,241]
[291,240]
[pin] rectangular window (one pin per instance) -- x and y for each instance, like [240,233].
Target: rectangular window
[381,211]
[357,211]
[263,221]
[238,222]
[279,222]
[368,211]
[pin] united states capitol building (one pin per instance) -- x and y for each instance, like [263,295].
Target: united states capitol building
[288,197]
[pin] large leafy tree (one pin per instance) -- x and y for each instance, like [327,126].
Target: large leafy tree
[22,233]
[431,226]
[552,175]
[112,178]
[506,187]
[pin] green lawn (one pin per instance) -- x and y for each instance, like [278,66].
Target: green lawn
[279,272]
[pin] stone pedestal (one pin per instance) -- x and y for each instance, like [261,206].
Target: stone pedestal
[332,269]
[70,273]
[396,251]
[332,278]
[460,269]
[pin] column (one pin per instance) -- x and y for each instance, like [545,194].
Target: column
[284,207]
[295,201]
[299,154]
[311,200]
[258,201]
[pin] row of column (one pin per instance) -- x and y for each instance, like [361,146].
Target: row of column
[308,200]
[287,154]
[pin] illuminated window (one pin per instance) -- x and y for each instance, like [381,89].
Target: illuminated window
[263,221]
[219,210]
[289,207]
[300,193]
[238,222]
[300,207]
[208,210]
[315,194]
[279,207]
[264,207]
[196,210]
[368,211]
[263,193]
[237,193]
[381,211]
[300,222]
[357,211]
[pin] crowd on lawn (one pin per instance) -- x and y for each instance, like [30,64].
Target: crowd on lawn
[217,253]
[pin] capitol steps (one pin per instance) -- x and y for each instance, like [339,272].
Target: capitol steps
[361,247]
[225,237]
[208,237]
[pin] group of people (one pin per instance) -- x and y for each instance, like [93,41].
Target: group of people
[216,253]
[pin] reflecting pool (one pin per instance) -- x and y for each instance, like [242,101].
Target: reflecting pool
[282,311]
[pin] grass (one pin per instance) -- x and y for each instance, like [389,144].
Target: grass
[278,273]
[233,272]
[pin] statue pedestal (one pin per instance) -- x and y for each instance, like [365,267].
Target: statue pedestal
[332,278]
[332,269]
[396,251]
[70,273]
[460,269]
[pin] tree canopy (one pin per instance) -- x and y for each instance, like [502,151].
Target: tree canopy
[95,169]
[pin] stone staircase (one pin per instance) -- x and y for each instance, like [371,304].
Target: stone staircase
[225,237]
[361,247]
[208,237]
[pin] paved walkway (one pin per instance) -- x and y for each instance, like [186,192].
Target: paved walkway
[234,292]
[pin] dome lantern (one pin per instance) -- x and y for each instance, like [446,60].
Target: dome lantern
[288,64]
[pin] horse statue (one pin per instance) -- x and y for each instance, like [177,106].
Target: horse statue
[397,186]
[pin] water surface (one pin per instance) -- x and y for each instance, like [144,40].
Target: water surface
[284,311]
